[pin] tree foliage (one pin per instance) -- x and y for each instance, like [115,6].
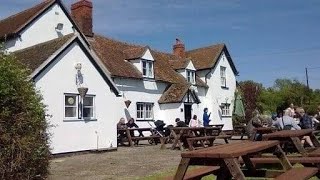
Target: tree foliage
[280,95]
[24,150]
[250,93]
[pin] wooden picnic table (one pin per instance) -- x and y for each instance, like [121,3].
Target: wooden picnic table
[217,125]
[262,131]
[293,136]
[239,130]
[179,133]
[227,156]
[130,134]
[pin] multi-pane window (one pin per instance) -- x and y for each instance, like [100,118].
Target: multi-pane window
[144,111]
[223,76]
[75,109]
[191,76]
[71,106]
[147,69]
[225,109]
[88,107]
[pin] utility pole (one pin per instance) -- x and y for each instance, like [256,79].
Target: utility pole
[307,78]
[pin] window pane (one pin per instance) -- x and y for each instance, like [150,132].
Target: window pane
[88,112]
[70,100]
[144,68]
[70,112]
[150,69]
[88,101]
[140,111]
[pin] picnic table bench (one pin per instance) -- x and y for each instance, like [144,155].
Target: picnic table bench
[262,131]
[132,139]
[182,134]
[239,130]
[226,156]
[293,136]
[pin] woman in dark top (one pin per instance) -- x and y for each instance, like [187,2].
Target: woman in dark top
[132,124]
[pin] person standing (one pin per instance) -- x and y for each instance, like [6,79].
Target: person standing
[206,117]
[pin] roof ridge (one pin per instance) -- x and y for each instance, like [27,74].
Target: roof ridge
[219,44]
[68,36]
[120,41]
[21,12]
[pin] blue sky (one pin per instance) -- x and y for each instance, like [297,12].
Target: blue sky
[267,39]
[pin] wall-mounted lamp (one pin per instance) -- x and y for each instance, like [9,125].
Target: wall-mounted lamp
[59,27]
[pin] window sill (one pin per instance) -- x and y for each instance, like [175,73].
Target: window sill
[224,87]
[149,79]
[77,120]
[226,116]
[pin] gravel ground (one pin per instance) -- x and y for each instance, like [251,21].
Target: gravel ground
[125,163]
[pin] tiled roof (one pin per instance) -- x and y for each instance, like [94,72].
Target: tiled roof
[13,24]
[134,53]
[200,83]
[180,63]
[205,58]
[114,53]
[34,56]
[174,94]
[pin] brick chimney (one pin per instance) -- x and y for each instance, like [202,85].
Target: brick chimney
[81,12]
[179,49]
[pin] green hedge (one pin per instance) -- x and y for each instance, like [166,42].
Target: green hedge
[24,150]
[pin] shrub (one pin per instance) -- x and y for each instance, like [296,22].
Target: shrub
[24,150]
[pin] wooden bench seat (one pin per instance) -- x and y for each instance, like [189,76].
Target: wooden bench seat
[138,138]
[145,137]
[225,137]
[314,153]
[293,160]
[192,140]
[198,173]
[298,174]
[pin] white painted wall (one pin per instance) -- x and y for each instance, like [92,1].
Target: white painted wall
[147,55]
[217,95]
[191,66]
[141,91]
[42,29]
[59,78]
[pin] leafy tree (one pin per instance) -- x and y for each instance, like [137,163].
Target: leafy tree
[24,150]
[250,92]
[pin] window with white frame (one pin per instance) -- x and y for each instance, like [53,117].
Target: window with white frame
[74,110]
[223,76]
[88,107]
[147,69]
[225,109]
[71,106]
[191,76]
[144,111]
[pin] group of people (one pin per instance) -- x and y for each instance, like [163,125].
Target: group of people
[195,122]
[291,118]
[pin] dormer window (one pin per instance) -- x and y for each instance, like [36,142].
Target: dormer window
[147,69]
[191,76]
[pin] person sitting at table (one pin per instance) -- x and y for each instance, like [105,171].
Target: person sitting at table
[254,122]
[305,123]
[121,125]
[286,122]
[194,121]
[132,124]
[206,117]
[180,123]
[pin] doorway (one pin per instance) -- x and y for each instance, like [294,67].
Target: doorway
[187,113]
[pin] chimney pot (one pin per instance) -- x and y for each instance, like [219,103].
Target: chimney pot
[179,49]
[81,12]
